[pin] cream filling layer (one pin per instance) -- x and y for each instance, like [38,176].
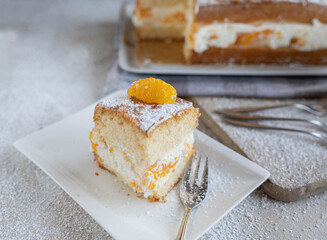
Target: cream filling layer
[302,37]
[148,180]
[153,180]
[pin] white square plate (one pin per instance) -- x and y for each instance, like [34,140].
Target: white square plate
[62,151]
[129,62]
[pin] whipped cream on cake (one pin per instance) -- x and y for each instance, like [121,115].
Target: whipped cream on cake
[303,37]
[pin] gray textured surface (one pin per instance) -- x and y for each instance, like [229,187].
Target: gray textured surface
[53,62]
[54,59]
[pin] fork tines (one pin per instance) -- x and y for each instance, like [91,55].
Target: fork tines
[196,180]
[194,188]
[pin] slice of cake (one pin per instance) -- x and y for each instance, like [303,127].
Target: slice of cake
[247,31]
[157,19]
[147,145]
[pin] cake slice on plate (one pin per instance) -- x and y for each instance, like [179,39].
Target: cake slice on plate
[145,143]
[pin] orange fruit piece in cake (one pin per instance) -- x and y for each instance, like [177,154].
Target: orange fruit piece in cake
[152,90]
[249,38]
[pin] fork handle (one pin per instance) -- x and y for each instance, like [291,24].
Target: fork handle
[243,123]
[255,109]
[182,229]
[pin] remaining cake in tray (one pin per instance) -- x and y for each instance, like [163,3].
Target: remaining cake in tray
[147,145]
[157,19]
[257,32]
[247,31]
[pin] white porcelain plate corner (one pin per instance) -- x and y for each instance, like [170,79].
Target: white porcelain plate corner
[62,151]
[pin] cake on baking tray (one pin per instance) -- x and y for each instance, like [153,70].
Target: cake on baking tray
[145,143]
[255,31]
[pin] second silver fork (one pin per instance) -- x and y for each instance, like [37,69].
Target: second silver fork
[238,115]
[315,109]
[193,189]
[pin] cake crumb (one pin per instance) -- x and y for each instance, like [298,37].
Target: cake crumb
[96,173]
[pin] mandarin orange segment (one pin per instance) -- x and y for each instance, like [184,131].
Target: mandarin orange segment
[93,145]
[298,42]
[145,13]
[134,185]
[248,38]
[212,37]
[177,17]
[152,90]
[193,30]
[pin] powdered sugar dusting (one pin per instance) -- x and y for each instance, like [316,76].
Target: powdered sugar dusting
[147,116]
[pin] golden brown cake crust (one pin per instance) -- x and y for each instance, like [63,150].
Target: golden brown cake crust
[259,55]
[249,11]
[130,114]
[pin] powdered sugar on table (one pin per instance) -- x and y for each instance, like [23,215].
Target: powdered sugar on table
[294,160]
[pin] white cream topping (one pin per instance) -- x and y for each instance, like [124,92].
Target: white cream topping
[271,34]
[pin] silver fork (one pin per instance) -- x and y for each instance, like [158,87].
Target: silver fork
[244,116]
[315,109]
[259,126]
[193,189]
